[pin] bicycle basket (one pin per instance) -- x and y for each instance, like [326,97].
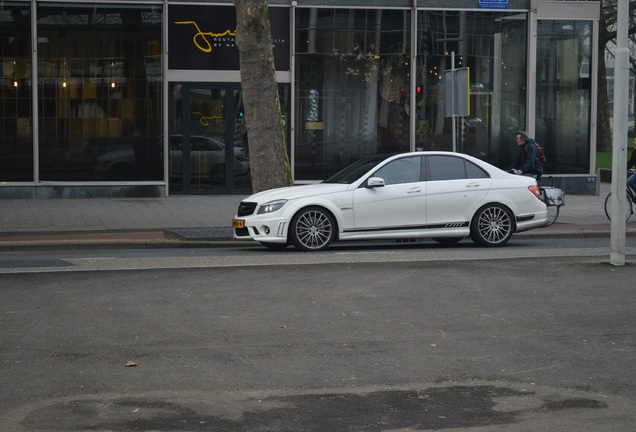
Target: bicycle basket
[553,196]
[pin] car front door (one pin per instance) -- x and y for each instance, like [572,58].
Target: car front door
[400,203]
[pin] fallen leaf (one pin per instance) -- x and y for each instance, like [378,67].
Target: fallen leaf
[130,363]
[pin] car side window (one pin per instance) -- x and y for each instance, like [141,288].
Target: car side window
[403,170]
[473,171]
[445,168]
[452,168]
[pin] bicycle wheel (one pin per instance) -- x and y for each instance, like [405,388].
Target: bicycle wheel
[553,214]
[628,207]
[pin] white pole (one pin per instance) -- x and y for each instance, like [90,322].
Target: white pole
[453,90]
[619,150]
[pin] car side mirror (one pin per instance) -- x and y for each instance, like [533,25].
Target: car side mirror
[374,182]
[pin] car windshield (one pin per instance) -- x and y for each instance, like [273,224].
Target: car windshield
[354,171]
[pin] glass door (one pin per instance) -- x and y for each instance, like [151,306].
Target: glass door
[207,143]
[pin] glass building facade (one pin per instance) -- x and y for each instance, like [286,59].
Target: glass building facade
[116,99]
[356,66]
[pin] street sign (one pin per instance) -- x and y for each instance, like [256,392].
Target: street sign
[456,95]
[493,4]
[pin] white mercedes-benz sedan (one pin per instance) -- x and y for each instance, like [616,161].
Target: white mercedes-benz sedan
[443,196]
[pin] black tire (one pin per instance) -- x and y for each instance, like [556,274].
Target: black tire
[628,207]
[217,174]
[275,246]
[492,225]
[448,241]
[553,214]
[312,229]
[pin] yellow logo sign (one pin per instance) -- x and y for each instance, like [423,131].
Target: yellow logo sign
[202,39]
[204,120]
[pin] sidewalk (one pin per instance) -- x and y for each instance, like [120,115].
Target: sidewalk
[183,221]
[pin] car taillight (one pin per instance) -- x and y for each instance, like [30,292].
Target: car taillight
[240,158]
[535,190]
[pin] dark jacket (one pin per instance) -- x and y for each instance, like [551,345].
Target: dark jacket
[632,159]
[527,160]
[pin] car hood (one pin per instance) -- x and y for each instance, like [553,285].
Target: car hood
[295,192]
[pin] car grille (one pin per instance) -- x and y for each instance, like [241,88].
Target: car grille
[241,232]
[246,208]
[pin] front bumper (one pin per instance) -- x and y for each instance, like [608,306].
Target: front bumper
[261,229]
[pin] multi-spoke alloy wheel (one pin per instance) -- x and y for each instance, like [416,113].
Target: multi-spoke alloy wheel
[492,225]
[312,229]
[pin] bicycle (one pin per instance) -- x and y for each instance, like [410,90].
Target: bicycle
[629,202]
[554,199]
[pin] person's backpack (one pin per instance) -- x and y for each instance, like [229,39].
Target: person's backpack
[540,153]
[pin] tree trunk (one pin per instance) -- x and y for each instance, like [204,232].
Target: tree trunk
[269,162]
[603,129]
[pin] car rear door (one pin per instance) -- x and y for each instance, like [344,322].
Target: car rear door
[454,187]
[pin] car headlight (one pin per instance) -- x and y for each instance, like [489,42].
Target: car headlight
[271,207]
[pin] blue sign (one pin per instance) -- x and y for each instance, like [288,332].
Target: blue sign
[493,4]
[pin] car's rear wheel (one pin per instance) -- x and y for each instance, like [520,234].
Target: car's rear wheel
[492,225]
[274,246]
[312,229]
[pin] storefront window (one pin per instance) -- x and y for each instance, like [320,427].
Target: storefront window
[492,45]
[353,84]
[352,75]
[99,92]
[16,128]
[564,94]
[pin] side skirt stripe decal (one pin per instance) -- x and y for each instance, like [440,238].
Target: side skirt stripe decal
[412,227]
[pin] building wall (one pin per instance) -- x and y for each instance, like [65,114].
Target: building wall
[88,112]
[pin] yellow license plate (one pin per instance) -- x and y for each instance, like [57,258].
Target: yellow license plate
[238,223]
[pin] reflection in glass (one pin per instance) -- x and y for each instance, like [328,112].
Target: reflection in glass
[564,94]
[16,115]
[351,78]
[205,148]
[99,92]
[353,84]
[493,46]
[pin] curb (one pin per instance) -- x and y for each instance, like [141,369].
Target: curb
[216,237]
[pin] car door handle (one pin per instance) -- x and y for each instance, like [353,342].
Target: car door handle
[473,185]
[414,190]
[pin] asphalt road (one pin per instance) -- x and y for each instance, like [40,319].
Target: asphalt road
[238,254]
[362,339]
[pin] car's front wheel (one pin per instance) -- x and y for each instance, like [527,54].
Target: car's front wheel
[492,225]
[312,229]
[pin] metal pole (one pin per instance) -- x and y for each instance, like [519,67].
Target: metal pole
[413,64]
[454,114]
[619,152]
[35,89]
